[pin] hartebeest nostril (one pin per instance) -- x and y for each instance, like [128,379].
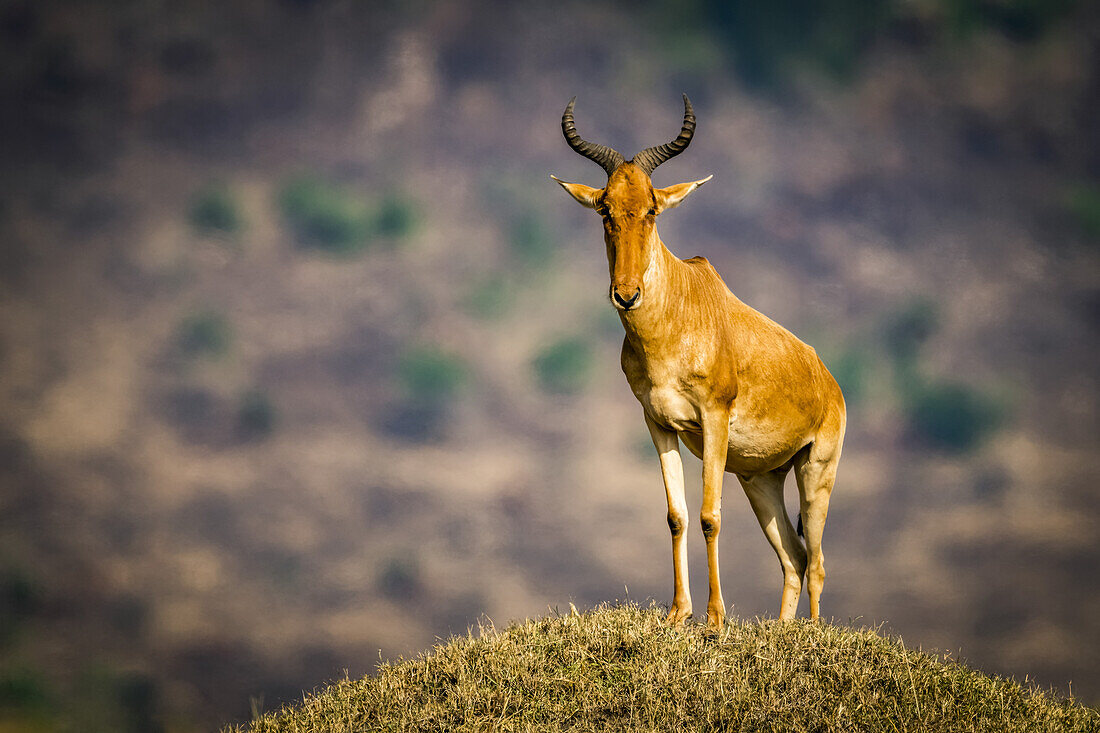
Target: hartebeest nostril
[625,303]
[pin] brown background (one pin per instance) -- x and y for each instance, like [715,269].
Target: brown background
[216,480]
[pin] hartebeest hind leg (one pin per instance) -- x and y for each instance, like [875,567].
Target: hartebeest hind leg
[672,469]
[815,471]
[765,492]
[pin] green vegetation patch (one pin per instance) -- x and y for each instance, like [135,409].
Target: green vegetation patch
[430,381]
[947,415]
[331,218]
[563,367]
[950,416]
[531,240]
[769,42]
[325,216]
[256,415]
[851,369]
[215,209]
[428,374]
[24,690]
[100,698]
[489,298]
[396,217]
[206,333]
[1083,204]
[906,331]
[620,668]
[1019,20]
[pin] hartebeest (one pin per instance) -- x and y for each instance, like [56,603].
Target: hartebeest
[742,392]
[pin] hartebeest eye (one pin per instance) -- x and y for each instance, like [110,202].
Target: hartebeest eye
[652,212]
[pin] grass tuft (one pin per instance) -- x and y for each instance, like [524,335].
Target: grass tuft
[620,668]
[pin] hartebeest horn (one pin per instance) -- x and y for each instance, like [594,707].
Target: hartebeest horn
[650,158]
[608,158]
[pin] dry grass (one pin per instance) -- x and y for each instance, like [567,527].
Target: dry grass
[620,668]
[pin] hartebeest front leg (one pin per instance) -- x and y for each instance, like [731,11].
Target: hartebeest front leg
[672,469]
[716,427]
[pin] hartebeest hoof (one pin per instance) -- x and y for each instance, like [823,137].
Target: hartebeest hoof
[716,618]
[677,616]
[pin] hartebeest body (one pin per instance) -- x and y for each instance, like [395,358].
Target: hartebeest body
[742,392]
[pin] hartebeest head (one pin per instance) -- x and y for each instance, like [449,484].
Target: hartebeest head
[629,204]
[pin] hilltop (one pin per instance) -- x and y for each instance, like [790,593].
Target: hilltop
[620,667]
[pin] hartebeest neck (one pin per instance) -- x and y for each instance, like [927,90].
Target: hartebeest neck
[658,318]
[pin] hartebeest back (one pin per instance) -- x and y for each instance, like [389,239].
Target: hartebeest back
[741,392]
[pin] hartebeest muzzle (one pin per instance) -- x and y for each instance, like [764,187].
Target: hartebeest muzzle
[625,302]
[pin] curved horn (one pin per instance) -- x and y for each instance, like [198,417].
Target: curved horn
[650,158]
[608,158]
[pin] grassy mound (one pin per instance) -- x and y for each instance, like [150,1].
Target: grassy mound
[619,668]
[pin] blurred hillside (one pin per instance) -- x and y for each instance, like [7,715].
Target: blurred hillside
[305,362]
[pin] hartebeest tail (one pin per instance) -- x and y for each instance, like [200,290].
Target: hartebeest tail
[739,390]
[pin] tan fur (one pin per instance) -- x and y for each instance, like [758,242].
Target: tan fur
[739,390]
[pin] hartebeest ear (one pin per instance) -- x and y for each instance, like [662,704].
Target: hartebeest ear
[585,195]
[670,198]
